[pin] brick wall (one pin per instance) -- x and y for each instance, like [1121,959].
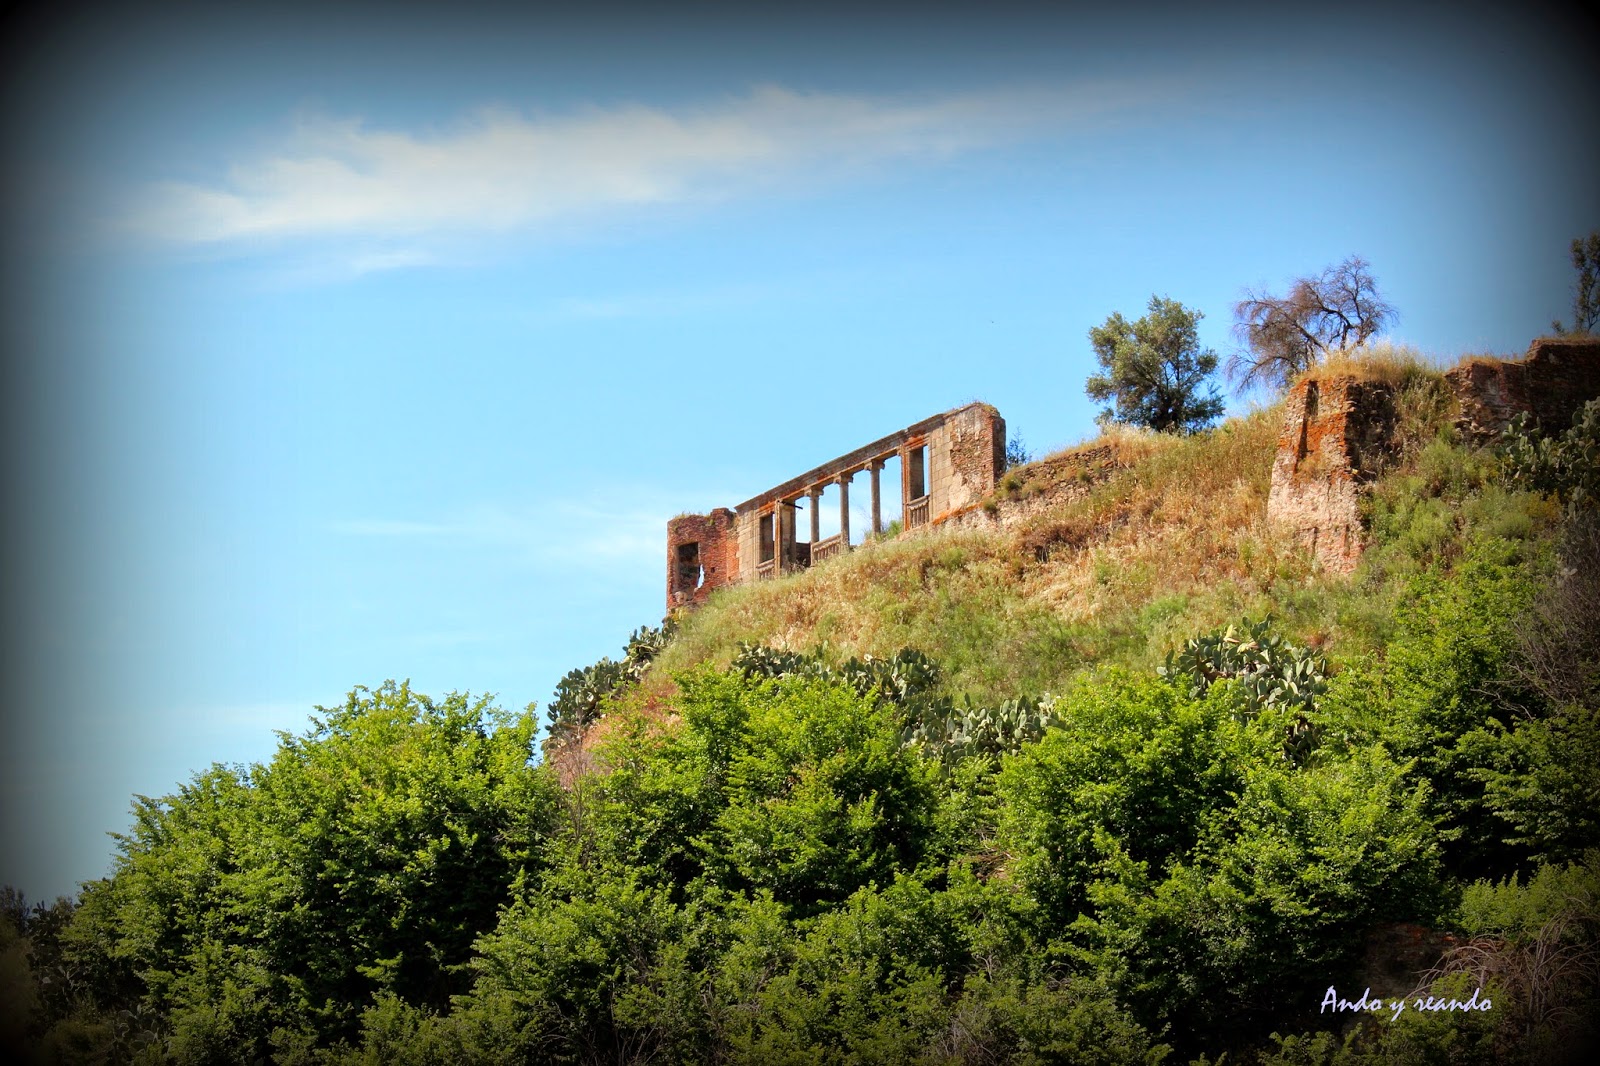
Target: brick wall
[702,556]
[1550,383]
[965,452]
[1335,432]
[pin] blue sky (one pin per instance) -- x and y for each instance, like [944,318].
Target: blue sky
[350,345]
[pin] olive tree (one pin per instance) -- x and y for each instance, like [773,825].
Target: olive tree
[1155,370]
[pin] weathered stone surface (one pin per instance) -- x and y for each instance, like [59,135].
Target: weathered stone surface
[1335,432]
[968,452]
[702,555]
[1556,377]
[948,464]
[1040,486]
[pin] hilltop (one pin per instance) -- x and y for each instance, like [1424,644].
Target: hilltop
[1118,549]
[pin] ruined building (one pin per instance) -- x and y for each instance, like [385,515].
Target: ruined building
[948,465]
[1338,430]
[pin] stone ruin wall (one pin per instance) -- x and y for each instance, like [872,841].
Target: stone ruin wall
[1558,376]
[948,465]
[702,550]
[1336,433]
[966,455]
[1041,486]
[1337,430]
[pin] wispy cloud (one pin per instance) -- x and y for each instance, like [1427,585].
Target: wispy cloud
[372,262]
[561,533]
[501,170]
[278,714]
[389,527]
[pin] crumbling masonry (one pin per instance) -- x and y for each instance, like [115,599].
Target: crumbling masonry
[1337,430]
[948,465]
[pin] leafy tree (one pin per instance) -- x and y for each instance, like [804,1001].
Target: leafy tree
[1155,370]
[18,992]
[1586,299]
[1130,764]
[1450,699]
[1336,310]
[592,967]
[1176,852]
[1285,877]
[258,910]
[820,796]
[1017,453]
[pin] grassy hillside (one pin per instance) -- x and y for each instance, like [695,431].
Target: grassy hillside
[1172,542]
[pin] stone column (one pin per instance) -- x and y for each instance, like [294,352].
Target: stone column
[905,487]
[877,510]
[778,561]
[844,509]
[815,495]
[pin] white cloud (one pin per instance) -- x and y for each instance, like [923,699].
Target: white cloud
[502,170]
[395,259]
[559,534]
[277,714]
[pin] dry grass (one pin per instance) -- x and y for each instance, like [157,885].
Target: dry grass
[1393,364]
[1183,531]
[1485,359]
[893,594]
[1116,550]
[1168,536]
[1072,471]
[1423,403]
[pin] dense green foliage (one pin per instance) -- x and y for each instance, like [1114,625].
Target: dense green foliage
[1566,465]
[808,856]
[258,910]
[1154,369]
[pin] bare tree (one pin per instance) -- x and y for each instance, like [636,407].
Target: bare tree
[1337,310]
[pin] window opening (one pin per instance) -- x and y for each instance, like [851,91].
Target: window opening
[767,548]
[690,573]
